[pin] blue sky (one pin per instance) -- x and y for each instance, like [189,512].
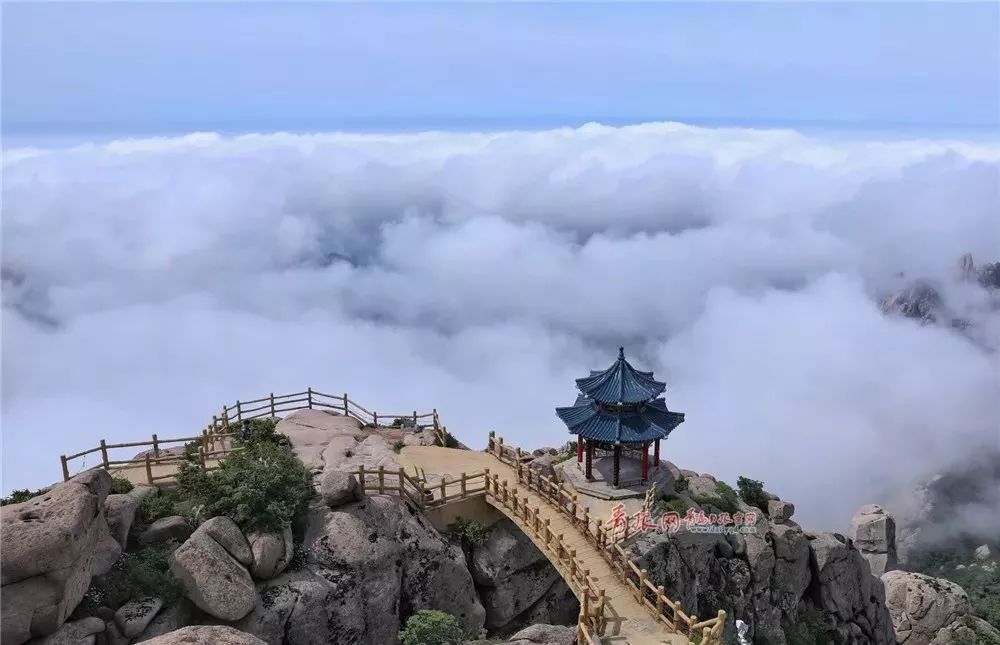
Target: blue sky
[146,66]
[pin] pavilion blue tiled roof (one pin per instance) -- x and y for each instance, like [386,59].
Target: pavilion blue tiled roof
[643,418]
[620,382]
[651,421]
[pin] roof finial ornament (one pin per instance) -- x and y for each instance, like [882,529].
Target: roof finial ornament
[621,352]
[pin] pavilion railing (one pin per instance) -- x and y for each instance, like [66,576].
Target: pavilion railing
[608,542]
[215,438]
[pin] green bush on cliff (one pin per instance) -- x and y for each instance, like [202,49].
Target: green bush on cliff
[262,487]
[725,498]
[144,573]
[431,627]
[752,492]
[471,531]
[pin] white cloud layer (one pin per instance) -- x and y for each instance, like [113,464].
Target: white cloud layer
[149,281]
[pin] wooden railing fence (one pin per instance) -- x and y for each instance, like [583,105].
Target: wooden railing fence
[215,437]
[668,612]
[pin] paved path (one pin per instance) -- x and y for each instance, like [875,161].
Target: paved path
[631,622]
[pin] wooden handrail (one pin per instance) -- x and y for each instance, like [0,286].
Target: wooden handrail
[558,496]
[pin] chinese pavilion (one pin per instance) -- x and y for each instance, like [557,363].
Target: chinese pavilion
[618,410]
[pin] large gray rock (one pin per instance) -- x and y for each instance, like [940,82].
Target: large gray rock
[929,610]
[780,511]
[135,616]
[372,563]
[50,546]
[271,553]
[338,488]
[847,590]
[213,579]
[78,632]
[206,635]
[792,574]
[874,534]
[545,635]
[229,536]
[174,527]
[120,513]
[516,583]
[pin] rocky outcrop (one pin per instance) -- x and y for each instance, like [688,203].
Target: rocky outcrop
[79,632]
[517,584]
[214,581]
[134,617]
[50,546]
[369,564]
[174,527]
[271,553]
[206,635]
[545,635]
[338,488]
[874,534]
[119,510]
[772,578]
[929,610]
[224,531]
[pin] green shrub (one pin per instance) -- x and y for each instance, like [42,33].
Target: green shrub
[431,627]
[263,430]
[752,492]
[677,505]
[725,498]
[21,495]
[135,575]
[120,485]
[262,487]
[471,531]
[396,447]
[980,583]
[153,507]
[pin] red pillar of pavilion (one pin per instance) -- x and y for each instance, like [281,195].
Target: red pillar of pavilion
[656,455]
[579,449]
[645,461]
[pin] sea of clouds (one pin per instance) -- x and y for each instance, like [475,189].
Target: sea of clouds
[147,282]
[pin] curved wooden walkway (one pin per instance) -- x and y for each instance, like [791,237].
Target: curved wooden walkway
[574,556]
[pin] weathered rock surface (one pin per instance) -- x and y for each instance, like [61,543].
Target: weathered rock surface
[315,432]
[50,546]
[271,553]
[78,632]
[206,635]
[545,635]
[338,488]
[214,581]
[180,614]
[371,563]
[174,527]
[780,511]
[135,616]
[929,610]
[517,584]
[229,536]
[874,534]
[119,510]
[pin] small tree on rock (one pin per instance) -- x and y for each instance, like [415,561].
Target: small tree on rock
[431,627]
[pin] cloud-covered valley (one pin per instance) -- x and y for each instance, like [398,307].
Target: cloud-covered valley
[146,282]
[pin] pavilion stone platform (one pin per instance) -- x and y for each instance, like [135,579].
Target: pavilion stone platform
[602,472]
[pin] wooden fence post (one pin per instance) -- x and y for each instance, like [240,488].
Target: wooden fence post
[239,411]
[600,535]
[149,471]
[345,404]
[402,478]
[272,404]
[414,419]
[489,442]
[642,585]
[156,446]
[361,476]
[65,467]
[309,394]
[104,454]
[381,479]
[659,601]
[463,484]
[435,418]
[444,494]
[375,416]
[215,423]
[225,420]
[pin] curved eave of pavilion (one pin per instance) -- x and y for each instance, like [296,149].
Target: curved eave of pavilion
[588,420]
[621,382]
